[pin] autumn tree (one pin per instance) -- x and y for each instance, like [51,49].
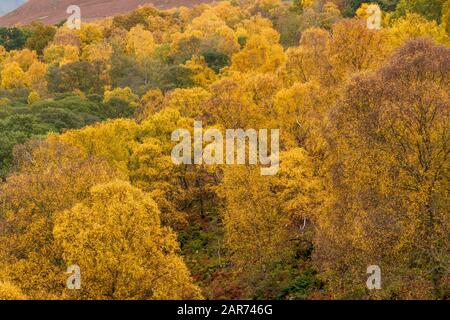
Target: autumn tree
[90,33]
[414,25]
[267,222]
[78,75]
[37,77]
[387,178]
[353,47]
[141,44]
[60,55]
[51,177]
[13,38]
[262,51]
[8,291]
[116,239]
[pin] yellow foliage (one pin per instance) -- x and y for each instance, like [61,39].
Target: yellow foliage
[140,43]
[110,140]
[445,21]
[363,177]
[353,47]
[36,76]
[264,216]
[66,37]
[90,33]
[3,54]
[25,58]
[258,26]
[115,237]
[202,75]
[309,61]
[414,25]
[259,55]
[190,102]
[4,102]
[152,102]
[209,27]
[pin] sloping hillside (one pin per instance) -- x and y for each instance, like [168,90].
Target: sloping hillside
[54,11]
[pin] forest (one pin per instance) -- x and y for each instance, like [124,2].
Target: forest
[87,179]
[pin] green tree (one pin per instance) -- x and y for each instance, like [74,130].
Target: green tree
[13,38]
[41,36]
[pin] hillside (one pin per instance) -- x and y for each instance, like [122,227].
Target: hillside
[51,11]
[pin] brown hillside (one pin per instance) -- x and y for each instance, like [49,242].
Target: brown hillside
[54,11]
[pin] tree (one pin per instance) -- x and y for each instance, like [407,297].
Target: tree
[141,45]
[115,237]
[111,140]
[319,15]
[8,291]
[79,75]
[191,103]
[353,47]
[230,106]
[60,55]
[301,113]
[446,17]
[66,37]
[13,38]
[258,55]
[3,54]
[287,22]
[51,178]
[216,60]
[99,54]
[388,179]
[202,75]
[125,94]
[90,33]
[152,102]
[25,58]
[349,7]
[266,222]
[33,97]
[430,9]
[414,25]
[37,77]
[310,60]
